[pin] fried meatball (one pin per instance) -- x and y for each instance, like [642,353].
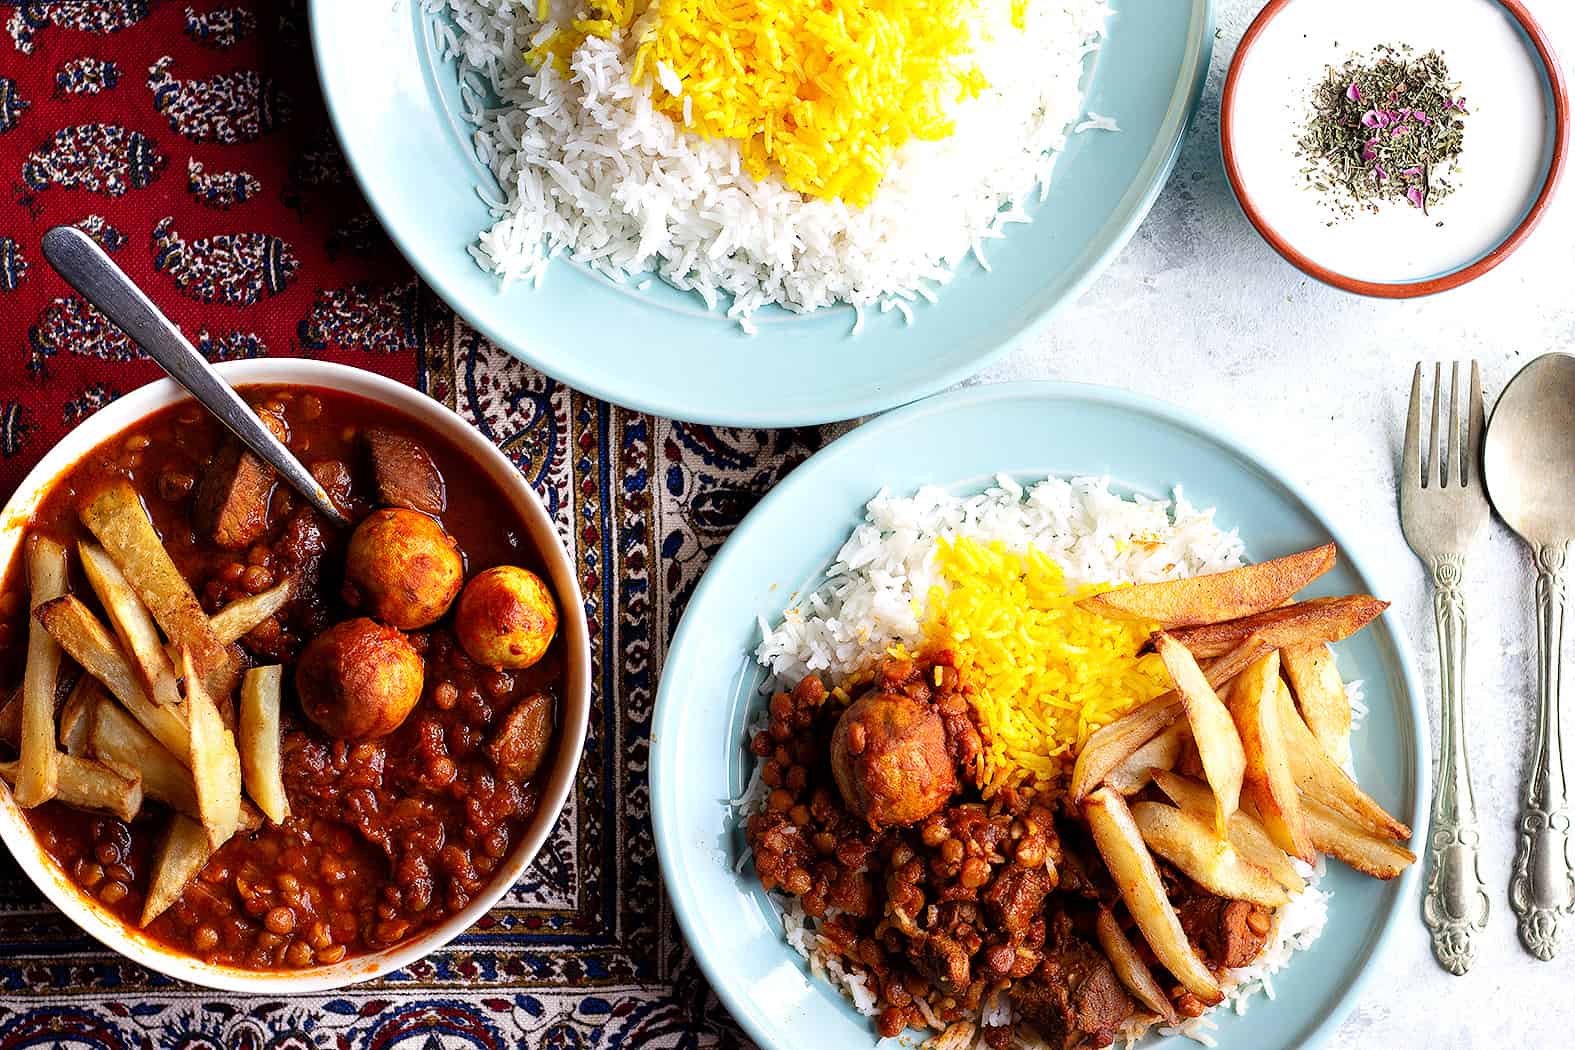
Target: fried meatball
[888,753]
[402,568]
[506,617]
[359,679]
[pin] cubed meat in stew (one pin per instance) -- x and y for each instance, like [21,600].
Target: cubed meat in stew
[403,473]
[231,507]
[523,736]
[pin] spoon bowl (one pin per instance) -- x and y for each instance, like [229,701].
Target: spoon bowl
[1529,456]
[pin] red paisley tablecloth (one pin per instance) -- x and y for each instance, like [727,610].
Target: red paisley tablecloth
[190,140]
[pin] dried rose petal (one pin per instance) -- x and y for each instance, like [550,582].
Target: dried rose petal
[1412,172]
[1369,150]
[1353,92]
[1372,119]
[1414,195]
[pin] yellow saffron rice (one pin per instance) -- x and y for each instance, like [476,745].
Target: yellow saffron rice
[821,92]
[1043,674]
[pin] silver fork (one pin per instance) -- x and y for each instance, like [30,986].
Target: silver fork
[1443,509]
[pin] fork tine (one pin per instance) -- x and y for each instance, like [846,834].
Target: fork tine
[1453,455]
[1433,471]
[1411,457]
[1474,428]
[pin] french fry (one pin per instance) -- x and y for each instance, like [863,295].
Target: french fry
[1213,731]
[76,715]
[1269,783]
[90,644]
[1130,967]
[116,516]
[1212,862]
[1215,596]
[220,683]
[1319,778]
[261,762]
[40,764]
[11,718]
[1224,669]
[114,736]
[238,618]
[1113,744]
[182,853]
[1247,833]
[1345,840]
[132,623]
[90,784]
[1320,693]
[1315,620]
[1120,844]
[1134,774]
[215,762]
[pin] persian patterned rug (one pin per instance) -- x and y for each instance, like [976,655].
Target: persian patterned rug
[189,139]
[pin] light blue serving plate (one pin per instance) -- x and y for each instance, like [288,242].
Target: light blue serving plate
[395,106]
[711,688]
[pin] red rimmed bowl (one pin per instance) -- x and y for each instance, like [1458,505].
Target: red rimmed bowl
[1516,140]
[555,781]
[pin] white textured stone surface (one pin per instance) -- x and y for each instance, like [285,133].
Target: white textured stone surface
[1201,311]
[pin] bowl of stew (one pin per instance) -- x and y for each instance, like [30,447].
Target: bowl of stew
[260,752]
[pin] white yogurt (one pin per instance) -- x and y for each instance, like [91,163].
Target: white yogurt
[1503,163]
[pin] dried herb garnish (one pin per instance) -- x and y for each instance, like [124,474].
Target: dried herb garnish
[1384,127]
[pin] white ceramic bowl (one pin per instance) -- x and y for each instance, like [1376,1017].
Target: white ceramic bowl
[133,944]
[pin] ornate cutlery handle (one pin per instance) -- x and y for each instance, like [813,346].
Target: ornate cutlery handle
[1456,903]
[1543,885]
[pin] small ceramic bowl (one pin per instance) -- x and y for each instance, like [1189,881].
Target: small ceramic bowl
[1516,140]
[559,781]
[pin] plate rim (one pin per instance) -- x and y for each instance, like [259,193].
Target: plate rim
[1413,702]
[1129,213]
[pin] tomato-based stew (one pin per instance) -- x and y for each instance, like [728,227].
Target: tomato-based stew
[278,743]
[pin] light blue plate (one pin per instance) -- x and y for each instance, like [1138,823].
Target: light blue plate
[711,688]
[395,107]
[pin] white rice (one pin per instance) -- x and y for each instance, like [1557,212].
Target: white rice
[590,170]
[875,592]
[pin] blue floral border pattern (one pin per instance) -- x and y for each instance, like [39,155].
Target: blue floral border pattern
[583,951]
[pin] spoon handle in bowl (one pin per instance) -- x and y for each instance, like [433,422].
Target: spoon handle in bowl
[87,269]
[1455,905]
[1543,886]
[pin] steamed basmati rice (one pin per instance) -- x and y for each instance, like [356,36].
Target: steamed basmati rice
[589,169]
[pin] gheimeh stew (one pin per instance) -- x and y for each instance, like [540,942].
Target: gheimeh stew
[386,696]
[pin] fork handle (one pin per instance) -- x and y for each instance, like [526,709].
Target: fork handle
[1543,886]
[1455,906]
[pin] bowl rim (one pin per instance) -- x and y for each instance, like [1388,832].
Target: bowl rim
[1554,76]
[1411,699]
[569,365]
[132,943]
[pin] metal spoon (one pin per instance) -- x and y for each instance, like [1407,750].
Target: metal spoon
[1529,462]
[86,268]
